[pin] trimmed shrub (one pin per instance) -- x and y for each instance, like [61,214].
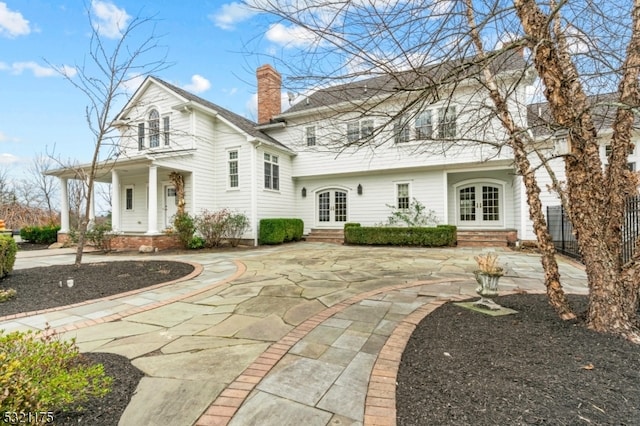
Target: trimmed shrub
[439,236]
[276,231]
[185,228]
[8,250]
[46,374]
[40,234]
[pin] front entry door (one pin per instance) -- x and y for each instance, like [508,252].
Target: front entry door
[479,205]
[332,207]
[170,205]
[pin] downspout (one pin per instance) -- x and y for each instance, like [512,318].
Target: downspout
[254,190]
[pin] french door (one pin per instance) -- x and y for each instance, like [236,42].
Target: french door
[480,205]
[331,207]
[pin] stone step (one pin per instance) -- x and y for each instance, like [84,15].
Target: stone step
[486,238]
[326,236]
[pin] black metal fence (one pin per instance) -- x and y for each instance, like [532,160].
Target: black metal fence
[561,231]
[565,242]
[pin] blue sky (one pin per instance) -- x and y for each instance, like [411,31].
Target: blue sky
[214,47]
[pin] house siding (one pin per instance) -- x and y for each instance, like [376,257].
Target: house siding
[275,203]
[156,97]
[201,139]
[374,206]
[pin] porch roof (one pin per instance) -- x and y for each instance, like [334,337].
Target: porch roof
[104,168]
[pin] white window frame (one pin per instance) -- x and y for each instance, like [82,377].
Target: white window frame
[397,202]
[366,128]
[447,122]
[310,135]
[154,128]
[141,136]
[233,161]
[423,130]
[128,188]
[271,172]
[401,130]
[166,130]
[353,131]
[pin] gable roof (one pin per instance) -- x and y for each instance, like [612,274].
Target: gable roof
[243,124]
[388,84]
[603,112]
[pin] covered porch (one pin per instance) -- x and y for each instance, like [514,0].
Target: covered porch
[143,201]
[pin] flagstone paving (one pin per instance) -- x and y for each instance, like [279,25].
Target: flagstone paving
[304,333]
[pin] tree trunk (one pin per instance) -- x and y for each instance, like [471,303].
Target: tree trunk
[597,207]
[555,293]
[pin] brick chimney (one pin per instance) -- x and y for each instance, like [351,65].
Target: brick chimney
[269,93]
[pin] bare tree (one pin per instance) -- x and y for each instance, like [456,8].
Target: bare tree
[429,52]
[103,79]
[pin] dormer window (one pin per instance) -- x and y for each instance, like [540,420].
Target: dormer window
[154,129]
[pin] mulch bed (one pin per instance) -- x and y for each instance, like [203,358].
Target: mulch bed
[46,287]
[108,410]
[462,367]
[39,288]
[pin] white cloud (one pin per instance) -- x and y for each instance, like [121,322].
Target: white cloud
[12,24]
[109,19]
[441,7]
[132,83]
[38,70]
[68,70]
[577,41]
[231,14]
[292,36]
[198,84]
[6,158]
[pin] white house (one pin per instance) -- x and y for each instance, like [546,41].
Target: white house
[342,154]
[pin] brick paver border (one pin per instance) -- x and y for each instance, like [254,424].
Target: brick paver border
[198,268]
[222,410]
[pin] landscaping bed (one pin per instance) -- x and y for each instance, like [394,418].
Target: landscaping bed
[39,288]
[462,367]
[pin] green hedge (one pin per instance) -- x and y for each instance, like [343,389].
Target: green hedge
[439,236]
[8,250]
[40,234]
[277,231]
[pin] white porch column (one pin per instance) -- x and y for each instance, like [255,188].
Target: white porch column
[115,201]
[64,206]
[152,227]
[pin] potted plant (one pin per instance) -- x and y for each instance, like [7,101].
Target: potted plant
[487,276]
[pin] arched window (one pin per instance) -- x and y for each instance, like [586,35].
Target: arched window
[154,129]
